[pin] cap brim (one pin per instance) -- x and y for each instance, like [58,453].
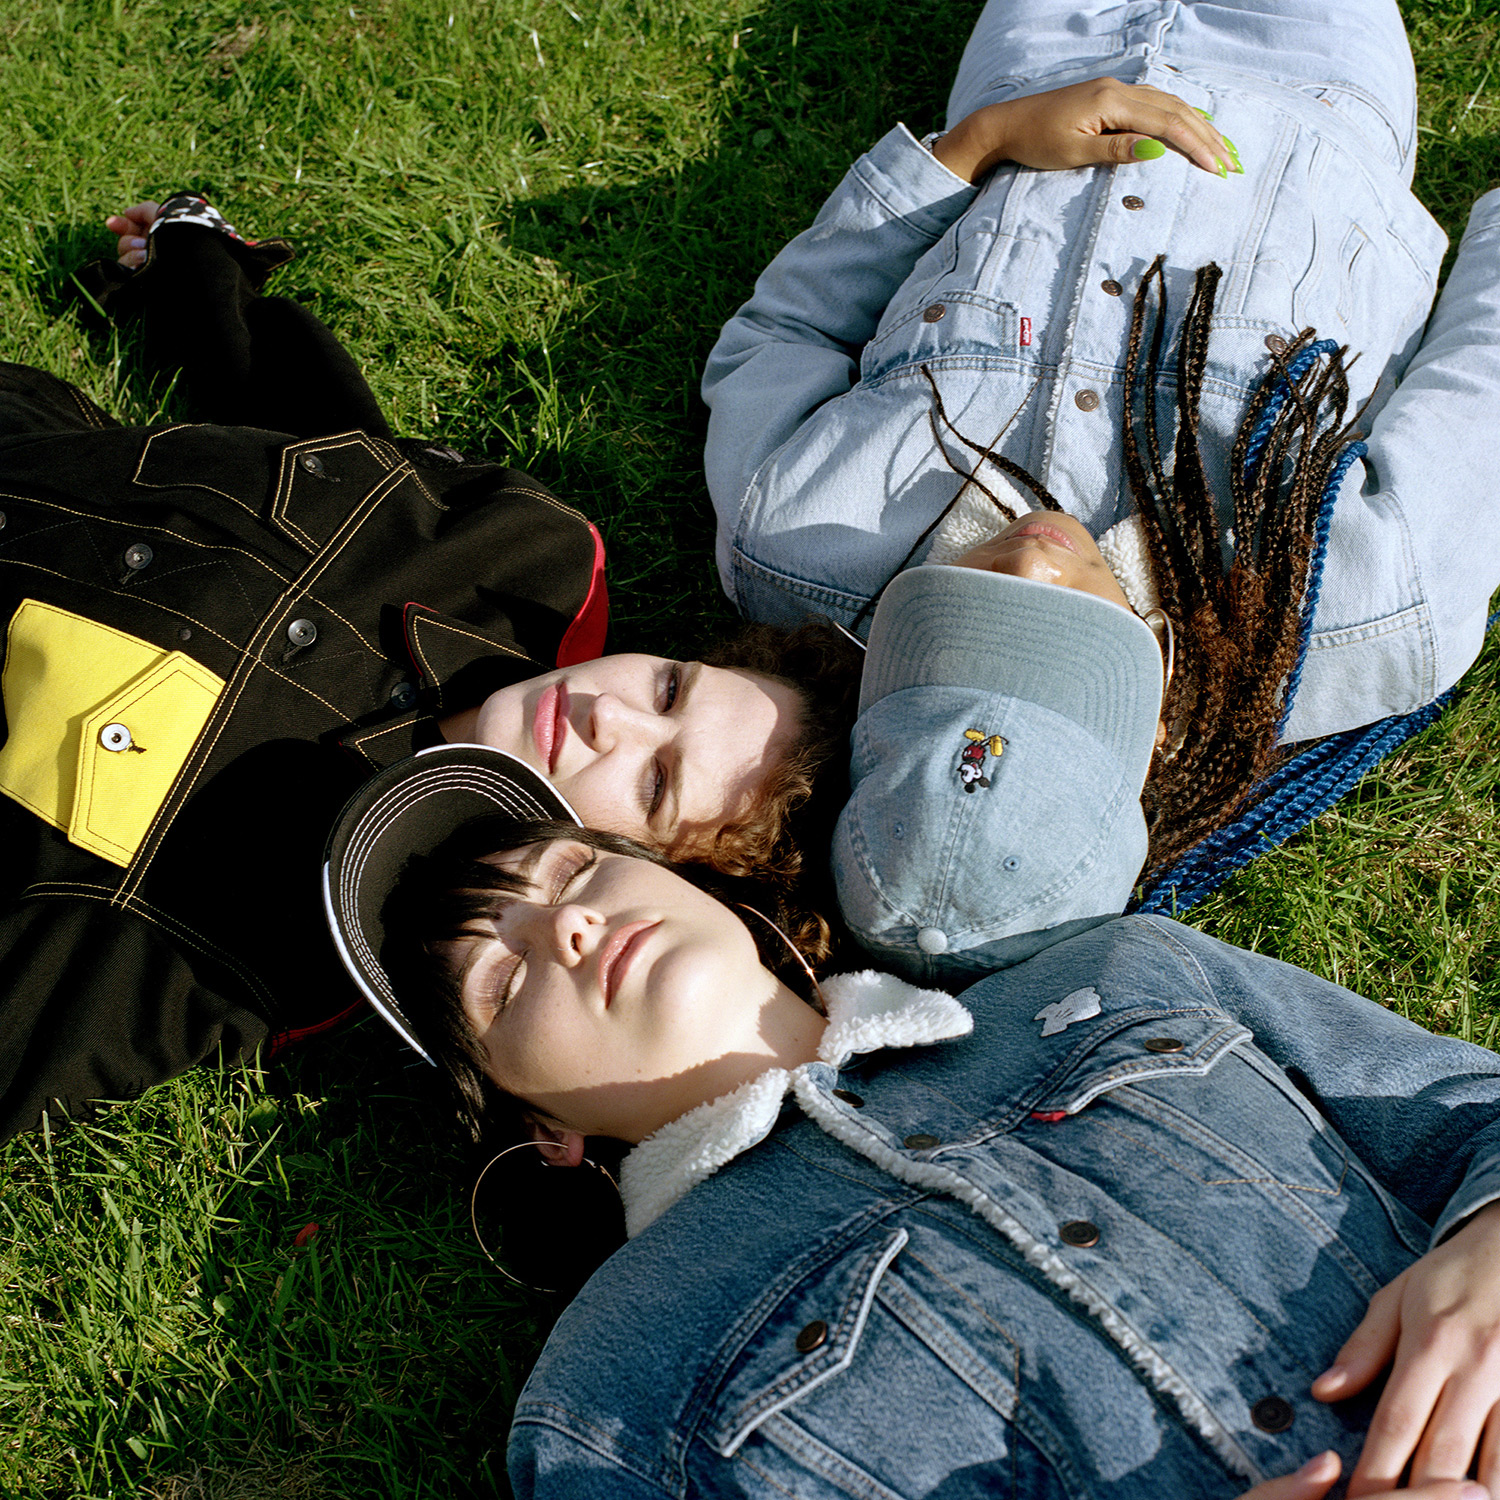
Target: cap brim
[1067,651]
[410,808]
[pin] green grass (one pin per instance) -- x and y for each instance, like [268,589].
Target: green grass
[527,219]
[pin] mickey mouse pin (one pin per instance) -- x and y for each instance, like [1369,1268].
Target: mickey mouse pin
[971,761]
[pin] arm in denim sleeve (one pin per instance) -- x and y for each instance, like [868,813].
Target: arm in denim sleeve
[1421,1111]
[546,1463]
[796,342]
[1425,522]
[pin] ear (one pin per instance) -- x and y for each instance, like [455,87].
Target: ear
[559,1146]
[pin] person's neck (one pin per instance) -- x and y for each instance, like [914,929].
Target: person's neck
[461,728]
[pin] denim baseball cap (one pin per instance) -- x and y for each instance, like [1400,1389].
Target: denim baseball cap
[1005,731]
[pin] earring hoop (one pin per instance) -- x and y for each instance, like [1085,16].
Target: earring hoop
[1160,623]
[474,1215]
[820,1005]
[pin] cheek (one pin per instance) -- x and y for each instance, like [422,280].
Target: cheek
[602,795]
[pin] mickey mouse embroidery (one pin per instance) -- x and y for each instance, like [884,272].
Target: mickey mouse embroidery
[971,761]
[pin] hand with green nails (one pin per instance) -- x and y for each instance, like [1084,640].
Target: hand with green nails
[1082,125]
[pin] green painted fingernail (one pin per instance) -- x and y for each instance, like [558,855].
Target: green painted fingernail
[1229,143]
[1147,150]
[1223,170]
[1204,113]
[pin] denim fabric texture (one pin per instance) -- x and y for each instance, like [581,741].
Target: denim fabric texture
[820,460]
[1076,1253]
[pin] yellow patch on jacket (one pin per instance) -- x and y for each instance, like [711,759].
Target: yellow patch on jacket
[99,723]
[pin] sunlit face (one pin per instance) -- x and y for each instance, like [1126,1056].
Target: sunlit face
[1048,547]
[614,996]
[664,751]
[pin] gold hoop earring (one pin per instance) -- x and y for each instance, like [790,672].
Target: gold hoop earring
[1161,627]
[474,1215]
[818,1002]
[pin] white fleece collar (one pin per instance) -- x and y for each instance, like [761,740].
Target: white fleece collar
[866,1012]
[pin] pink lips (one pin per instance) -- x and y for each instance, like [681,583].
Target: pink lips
[549,724]
[619,953]
[1050,533]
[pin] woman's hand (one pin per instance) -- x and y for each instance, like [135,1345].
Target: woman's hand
[1437,1326]
[1102,120]
[131,227]
[1315,1478]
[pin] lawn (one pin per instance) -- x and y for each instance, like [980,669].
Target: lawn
[527,218]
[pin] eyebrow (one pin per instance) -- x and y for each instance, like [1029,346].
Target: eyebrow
[672,802]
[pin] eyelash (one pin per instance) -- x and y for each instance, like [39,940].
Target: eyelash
[566,877]
[669,699]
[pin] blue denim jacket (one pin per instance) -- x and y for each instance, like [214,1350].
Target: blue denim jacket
[820,461]
[1100,1250]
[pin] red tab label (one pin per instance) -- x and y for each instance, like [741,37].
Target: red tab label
[1049,1116]
[1025,332]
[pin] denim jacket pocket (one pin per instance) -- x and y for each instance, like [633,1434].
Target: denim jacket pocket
[807,1337]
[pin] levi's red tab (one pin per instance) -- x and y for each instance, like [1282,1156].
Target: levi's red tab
[1049,1116]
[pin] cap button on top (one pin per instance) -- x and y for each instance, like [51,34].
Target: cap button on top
[137,555]
[1086,400]
[934,313]
[812,1336]
[932,940]
[302,632]
[1162,1044]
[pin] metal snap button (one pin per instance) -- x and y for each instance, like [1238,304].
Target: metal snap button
[849,1097]
[934,314]
[1111,286]
[1086,400]
[312,463]
[922,1142]
[302,632]
[1132,202]
[1079,1232]
[1275,343]
[1011,863]
[2,520]
[115,737]
[932,940]
[138,555]
[812,1336]
[1162,1044]
[185,634]
[403,695]
[1272,1414]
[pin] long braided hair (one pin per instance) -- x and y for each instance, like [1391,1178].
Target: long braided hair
[1238,597]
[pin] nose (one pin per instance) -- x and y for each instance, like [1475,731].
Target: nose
[567,934]
[613,722]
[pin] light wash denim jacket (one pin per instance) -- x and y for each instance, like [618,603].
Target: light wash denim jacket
[823,469]
[1099,1247]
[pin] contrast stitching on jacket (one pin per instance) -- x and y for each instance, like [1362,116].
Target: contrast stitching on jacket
[89,410]
[1195,1411]
[293,451]
[277,672]
[432,623]
[223,711]
[374,734]
[106,897]
[147,484]
[149,526]
[834,1467]
[765,1478]
[546,499]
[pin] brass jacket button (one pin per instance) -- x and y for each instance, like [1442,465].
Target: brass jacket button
[1272,1414]
[1086,400]
[812,1336]
[1079,1232]
[1111,286]
[849,1097]
[1131,201]
[933,314]
[922,1142]
[1275,343]
[1162,1044]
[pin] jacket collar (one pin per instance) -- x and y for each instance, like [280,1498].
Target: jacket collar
[866,1012]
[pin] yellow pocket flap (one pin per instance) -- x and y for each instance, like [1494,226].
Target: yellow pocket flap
[99,723]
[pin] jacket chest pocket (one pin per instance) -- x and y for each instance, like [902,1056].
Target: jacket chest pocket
[99,725]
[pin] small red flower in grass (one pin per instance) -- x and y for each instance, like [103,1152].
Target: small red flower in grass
[306,1233]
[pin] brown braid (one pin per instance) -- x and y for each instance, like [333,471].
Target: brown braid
[1235,597]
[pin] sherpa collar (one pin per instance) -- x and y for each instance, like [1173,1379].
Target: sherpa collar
[866,1012]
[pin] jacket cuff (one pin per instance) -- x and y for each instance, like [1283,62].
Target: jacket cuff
[910,183]
[1480,1187]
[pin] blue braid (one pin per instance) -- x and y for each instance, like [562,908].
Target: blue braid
[1323,772]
